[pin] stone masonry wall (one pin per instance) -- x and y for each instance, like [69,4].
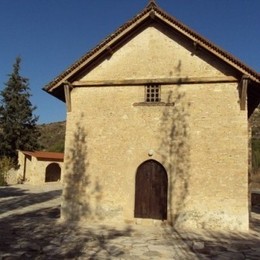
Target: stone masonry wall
[199,135]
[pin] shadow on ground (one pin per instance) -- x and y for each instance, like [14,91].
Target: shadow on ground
[27,199]
[6,192]
[222,245]
[39,234]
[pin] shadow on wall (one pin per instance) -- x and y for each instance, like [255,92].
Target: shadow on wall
[79,189]
[175,152]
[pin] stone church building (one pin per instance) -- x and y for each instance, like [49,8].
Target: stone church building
[157,128]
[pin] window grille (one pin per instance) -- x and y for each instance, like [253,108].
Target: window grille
[153,93]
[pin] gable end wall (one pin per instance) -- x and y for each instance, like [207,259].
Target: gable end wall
[200,137]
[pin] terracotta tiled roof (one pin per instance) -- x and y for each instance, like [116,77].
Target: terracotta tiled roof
[45,155]
[150,12]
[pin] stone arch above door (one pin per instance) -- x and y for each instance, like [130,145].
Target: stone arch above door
[151,188]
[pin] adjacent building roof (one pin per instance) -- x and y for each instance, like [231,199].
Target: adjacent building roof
[151,14]
[41,155]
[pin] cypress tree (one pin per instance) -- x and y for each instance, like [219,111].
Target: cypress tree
[18,129]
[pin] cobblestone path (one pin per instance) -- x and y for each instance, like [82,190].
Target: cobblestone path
[30,229]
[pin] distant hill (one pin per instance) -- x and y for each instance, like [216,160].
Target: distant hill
[52,136]
[255,141]
[255,123]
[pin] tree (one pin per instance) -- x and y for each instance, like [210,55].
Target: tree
[18,129]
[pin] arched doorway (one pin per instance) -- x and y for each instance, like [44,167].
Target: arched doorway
[52,172]
[151,187]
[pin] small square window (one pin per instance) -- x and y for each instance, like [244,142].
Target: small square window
[153,93]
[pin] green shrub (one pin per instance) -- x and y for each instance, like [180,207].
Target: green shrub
[57,147]
[5,165]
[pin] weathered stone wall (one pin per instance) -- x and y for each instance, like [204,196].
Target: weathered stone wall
[13,177]
[200,136]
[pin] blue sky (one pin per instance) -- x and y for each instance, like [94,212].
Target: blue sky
[50,35]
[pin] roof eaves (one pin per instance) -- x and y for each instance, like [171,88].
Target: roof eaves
[152,9]
[209,45]
[100,48]
[44,155]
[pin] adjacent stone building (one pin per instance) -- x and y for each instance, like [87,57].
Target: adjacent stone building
[39,167]
[157,128]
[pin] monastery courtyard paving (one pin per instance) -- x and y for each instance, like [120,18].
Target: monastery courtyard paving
[30,229]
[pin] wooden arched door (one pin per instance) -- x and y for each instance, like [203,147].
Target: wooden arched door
[151,186]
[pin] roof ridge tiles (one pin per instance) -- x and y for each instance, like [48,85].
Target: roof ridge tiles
[151,4]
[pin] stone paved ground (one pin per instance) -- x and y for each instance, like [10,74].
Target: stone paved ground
[30,229]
